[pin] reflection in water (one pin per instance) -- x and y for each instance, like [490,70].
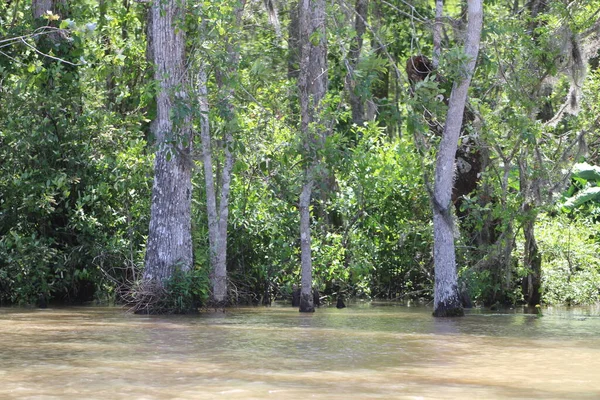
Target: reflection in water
[371,351]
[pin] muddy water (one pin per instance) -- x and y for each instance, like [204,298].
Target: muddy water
[363,352]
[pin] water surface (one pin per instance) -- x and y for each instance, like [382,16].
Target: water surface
[371,351]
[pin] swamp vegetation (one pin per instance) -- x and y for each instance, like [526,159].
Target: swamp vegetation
[176,155]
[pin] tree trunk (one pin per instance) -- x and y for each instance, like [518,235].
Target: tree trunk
[532,259]
[312,85]
[218,213]
[293,41]
[306,297]
[533,263]
[437,34]
[218,276]
[353,87]
[40,7]
[169,237]
[446,299]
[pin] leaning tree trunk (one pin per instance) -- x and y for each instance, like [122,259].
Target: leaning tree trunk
[169,238]
[312,85]
[446,299]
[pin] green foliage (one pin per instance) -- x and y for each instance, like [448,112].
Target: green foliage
[584,189]
[74,187]
[75,170]
[185,292]
[571,263]
[481,285]
[366,240]
[587,172]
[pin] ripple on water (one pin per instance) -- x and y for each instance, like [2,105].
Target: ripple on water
[256,353]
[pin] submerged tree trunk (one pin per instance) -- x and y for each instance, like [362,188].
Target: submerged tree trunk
[169,238]
[218,212]
[306,297]
[532,261]
[446,299]
[217,251]
[312,85]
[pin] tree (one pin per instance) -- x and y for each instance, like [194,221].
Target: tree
[355,99]
[169,243]
[544,68]
[312,85]
[218,212]
[446,296]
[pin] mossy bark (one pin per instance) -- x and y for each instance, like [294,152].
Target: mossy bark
[306,303]
[169,236]
[449,309]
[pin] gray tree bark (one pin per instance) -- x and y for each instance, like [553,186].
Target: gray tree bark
[218,276]
[437,34]
[532,259]
[446,298]
[169,238]
[356,100]
[306,297]
[218,212]
[40,7]
[312,85]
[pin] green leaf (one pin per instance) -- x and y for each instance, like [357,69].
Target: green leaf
[586,171]
[588,194]
[315,38]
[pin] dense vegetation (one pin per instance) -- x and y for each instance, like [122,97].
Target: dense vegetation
[78,98]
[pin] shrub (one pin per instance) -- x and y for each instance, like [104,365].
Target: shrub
[571,260]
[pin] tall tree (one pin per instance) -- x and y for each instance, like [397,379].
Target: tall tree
[446,297]
[312,85]
[169,243]
[218,212]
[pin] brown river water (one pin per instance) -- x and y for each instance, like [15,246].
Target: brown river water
[366,351]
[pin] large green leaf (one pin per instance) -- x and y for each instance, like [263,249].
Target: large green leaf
[588,194]
[586,171]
